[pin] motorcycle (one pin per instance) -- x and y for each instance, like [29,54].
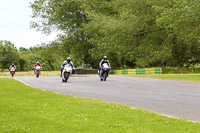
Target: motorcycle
[12,71]
[104,72]
[37,71]
[67,71]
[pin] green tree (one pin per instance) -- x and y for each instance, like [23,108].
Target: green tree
[8,55]
[139,33]
[24,63]
[180,19]
[67,17]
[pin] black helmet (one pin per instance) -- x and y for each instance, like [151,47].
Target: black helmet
[68,59]
[105,57]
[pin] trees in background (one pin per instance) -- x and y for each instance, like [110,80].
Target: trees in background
[25,59]
[181,21]
[139,33]
[8,55]
[66,17]
[132,33]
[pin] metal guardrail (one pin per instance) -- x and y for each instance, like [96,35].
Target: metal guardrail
[85,71]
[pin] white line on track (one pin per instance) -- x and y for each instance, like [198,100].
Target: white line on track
[177,118]
[23,82]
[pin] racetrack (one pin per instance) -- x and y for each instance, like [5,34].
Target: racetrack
[173,98]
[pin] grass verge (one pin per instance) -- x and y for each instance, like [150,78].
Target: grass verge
[179,77]
[25,109]
[31,73]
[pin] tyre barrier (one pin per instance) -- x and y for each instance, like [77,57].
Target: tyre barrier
[155,70]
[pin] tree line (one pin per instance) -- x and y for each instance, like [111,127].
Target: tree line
[25,59]
[132,33]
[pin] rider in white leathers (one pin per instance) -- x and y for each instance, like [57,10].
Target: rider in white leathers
[67,61]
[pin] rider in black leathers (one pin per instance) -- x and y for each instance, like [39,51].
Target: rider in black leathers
[104,60]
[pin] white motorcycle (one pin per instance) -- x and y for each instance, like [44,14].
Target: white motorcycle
[67,71]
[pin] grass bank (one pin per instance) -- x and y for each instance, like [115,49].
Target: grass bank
[179,77]
[25,109]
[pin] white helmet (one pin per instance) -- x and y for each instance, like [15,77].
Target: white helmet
[68,59]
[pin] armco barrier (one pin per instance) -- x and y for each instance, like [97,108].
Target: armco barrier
[85,71]
[155,70]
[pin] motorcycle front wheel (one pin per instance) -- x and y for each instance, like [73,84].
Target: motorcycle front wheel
[104,76]
[12,74]
[66,76]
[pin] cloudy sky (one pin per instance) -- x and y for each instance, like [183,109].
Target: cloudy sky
[15,24]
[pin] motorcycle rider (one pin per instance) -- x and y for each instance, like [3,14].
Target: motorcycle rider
[104,60]
[67,61]
[37,64]
[12,65]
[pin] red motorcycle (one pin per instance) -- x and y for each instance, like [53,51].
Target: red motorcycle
[37,71]
[12,71]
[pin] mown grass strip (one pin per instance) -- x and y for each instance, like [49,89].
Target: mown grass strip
[179,77]
[25,109]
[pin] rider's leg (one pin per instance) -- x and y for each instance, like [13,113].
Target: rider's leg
[101,74]
[61,72]
[99,71]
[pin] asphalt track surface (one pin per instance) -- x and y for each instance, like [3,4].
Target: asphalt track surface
[174,98]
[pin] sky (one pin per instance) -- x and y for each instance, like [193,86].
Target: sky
[15,18]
